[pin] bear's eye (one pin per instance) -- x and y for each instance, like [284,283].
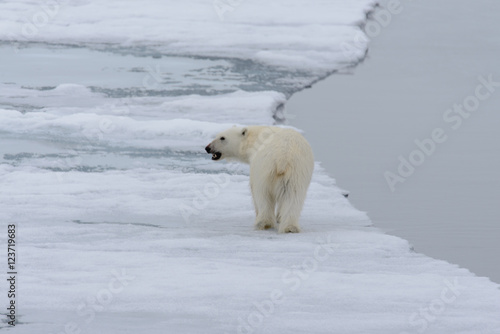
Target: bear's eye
[222,138]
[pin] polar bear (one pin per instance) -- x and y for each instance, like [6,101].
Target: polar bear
[281,166]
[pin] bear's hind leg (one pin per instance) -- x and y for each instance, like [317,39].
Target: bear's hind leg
[288,222]
[290,202]
[264,207]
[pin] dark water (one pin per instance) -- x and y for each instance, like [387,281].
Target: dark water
[426,59]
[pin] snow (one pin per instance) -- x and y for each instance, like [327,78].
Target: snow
[289,32]
[176,122]
[209,269]
[125,225]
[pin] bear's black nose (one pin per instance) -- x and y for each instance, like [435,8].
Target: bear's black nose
[208,149]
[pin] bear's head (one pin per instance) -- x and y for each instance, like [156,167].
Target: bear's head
[226,144]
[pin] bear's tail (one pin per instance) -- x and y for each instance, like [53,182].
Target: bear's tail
[282,166]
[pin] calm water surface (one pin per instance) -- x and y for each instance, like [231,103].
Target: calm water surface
[426,60]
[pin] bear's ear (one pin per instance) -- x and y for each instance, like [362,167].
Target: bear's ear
[244,131]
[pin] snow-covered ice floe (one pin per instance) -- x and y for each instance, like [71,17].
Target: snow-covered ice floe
[290,33]
[125,225]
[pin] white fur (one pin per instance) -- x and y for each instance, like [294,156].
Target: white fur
[281,166]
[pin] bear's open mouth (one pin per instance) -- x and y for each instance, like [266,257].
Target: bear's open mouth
[216,155]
